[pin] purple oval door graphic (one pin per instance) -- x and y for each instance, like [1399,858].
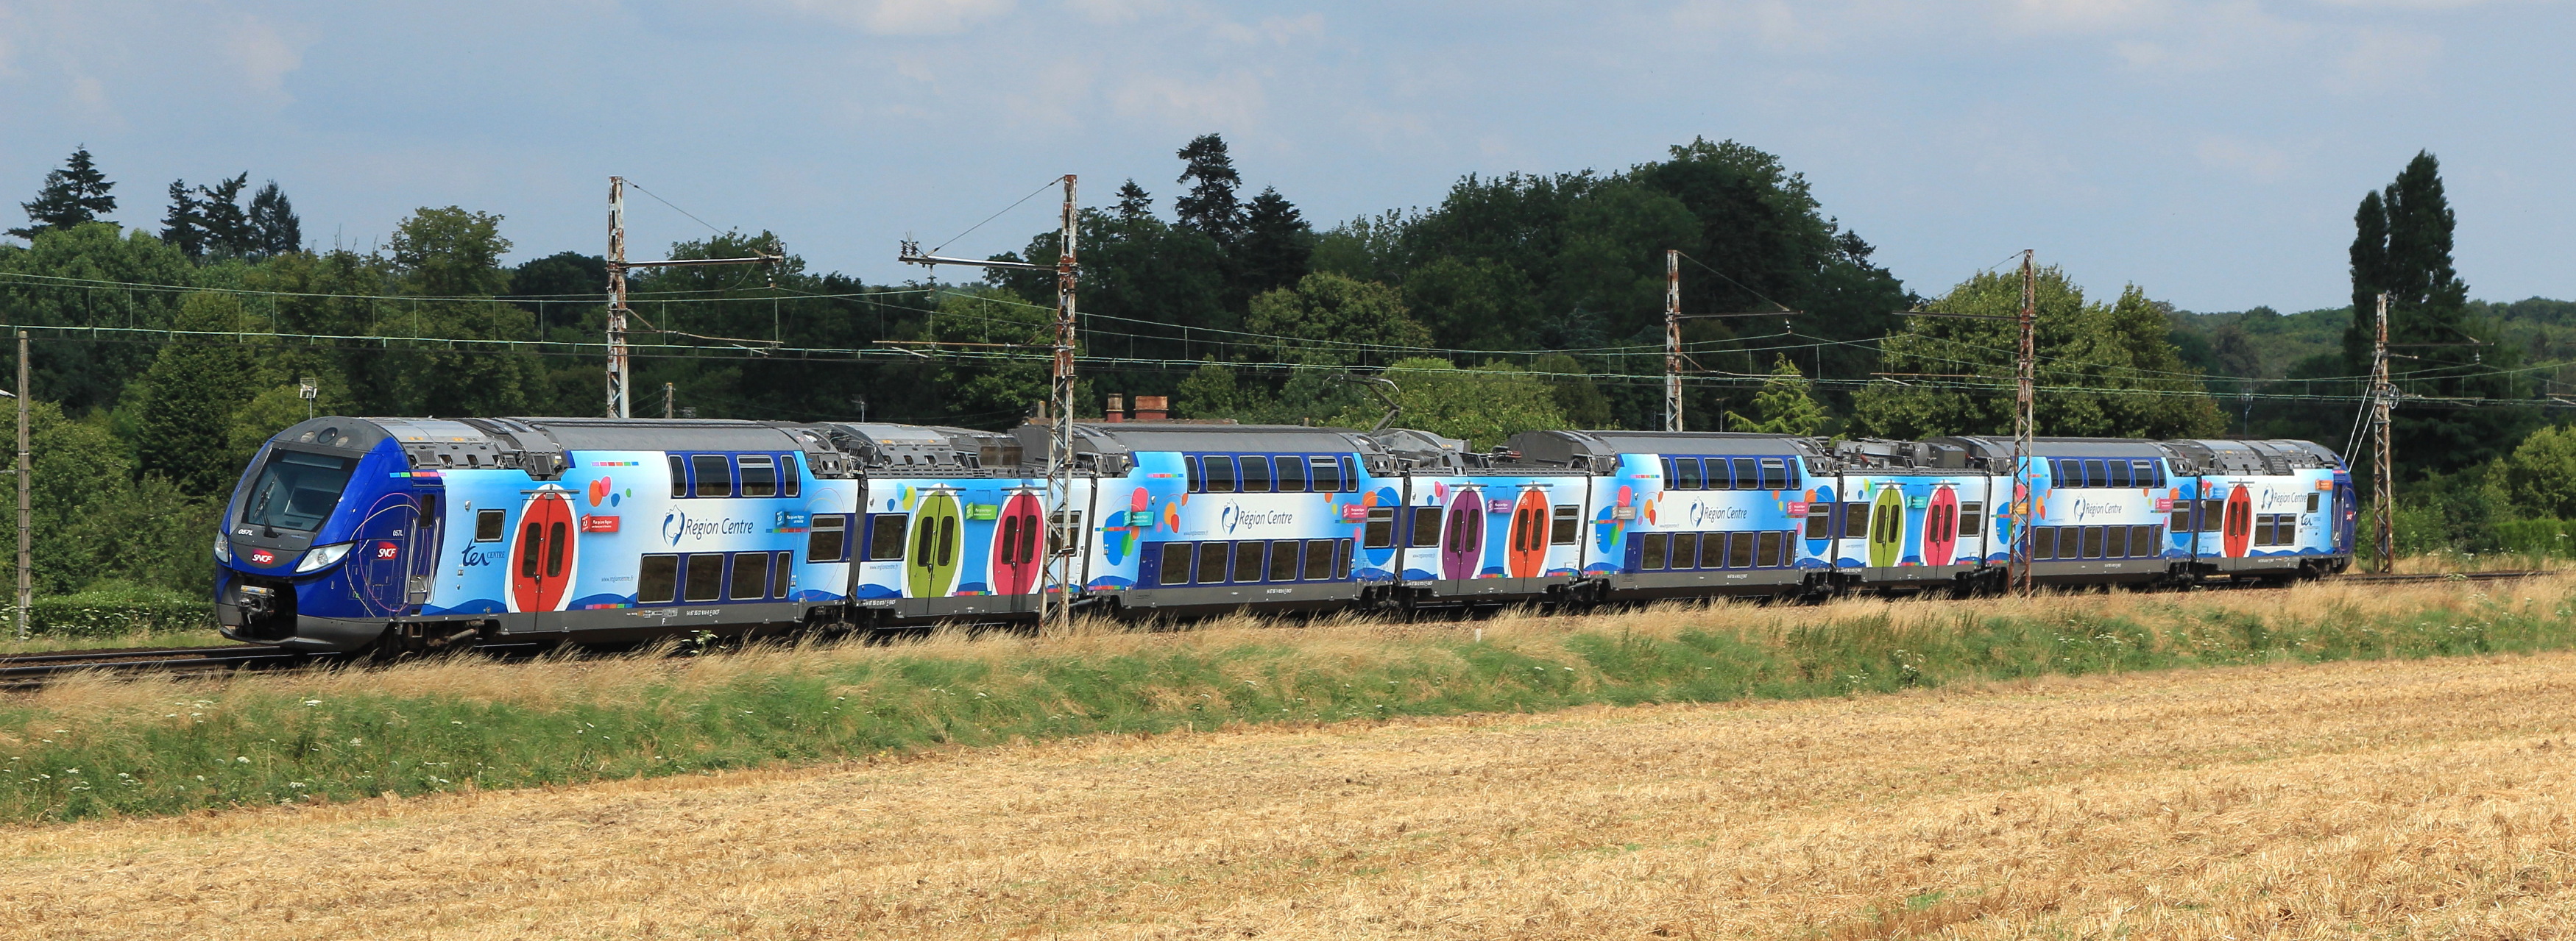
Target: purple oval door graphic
[1462,535]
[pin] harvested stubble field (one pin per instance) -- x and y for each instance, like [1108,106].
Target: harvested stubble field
[2284,799]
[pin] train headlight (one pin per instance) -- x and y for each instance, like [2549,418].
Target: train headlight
[322,557]
[223,548]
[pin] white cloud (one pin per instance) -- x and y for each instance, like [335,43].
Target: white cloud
[264,54]
[2256,160]
[1214,102]
[1118,11]
[2384,58]
[906,17]
[2082,15]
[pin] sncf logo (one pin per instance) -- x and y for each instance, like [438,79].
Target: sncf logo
[388,551]
[262,557]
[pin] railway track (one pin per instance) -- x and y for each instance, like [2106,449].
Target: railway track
[2396,578]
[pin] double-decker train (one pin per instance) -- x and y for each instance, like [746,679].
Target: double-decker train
[406,533]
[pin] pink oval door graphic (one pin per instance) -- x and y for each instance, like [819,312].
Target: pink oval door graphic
[1015,546]
[1941,527]
[1462,535]
[542,552]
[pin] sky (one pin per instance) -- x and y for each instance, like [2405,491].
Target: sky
[2210,151]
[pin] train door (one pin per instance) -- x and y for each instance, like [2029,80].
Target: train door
[423,549]
[930,562]
[2343,517]
[543,554]
[2236,525]
[1941,526]
[1016,565]
[1528,556]
[1886,530]
[379,561]
[1462,534]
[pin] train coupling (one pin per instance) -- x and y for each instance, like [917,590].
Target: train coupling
[257,603]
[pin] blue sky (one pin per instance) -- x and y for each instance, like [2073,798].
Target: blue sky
[2211,152]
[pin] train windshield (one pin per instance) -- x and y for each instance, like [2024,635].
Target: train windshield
[296,490]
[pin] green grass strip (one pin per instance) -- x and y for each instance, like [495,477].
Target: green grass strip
[163,748]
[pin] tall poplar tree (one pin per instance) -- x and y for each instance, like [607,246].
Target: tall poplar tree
[2467,410]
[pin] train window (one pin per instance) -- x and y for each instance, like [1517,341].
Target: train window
[1712,551]
[1256,474]
[2146,540]
[679,476]
[1775,474]
[1283,560]
[1686,474]
[1192,469]
[947,541]
[1739,550]
[1685,551]
[1176,563]
[2091,474]
[1319,559]
[1775,549]
[554,550]
[1820,520]
[1212,562]
[1326,472]
[789,477]
[710,477]
[1567,527]
[1972,519]
[750,576]
[759,475]
[1380,531]
[885,539]
[2312,503]
[1291,473]
[532,541]
[1350,475]
[2092,536]
[2212,513]
[1247,561]
[2145,473]
[1342,558]
[490,525]
[1670,475]
[1067,525]
[706,577]
[2043,542]
[2066,472]
[1426,526]
[1855,520]
[2115,542]
[1219,471]
[2119,474]
[2263,530]
[657,579]
[1651,551]
[1790,480]
[1744,474]
[2181,519]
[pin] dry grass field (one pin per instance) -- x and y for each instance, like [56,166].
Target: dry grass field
[2368,799]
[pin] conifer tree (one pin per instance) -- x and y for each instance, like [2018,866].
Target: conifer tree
[184,226]
[2402,246]
[1210,206]
[275,230]
[1278,246]
[1133,202]
[75,194]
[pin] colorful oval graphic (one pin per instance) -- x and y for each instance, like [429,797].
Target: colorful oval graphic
[1015,545]
[2236,528]
[930,562]
[1941,527]
[542,552]
[1528,555]
[1462,534]
[1887,527]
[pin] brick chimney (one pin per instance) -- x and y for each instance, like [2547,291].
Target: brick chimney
[1117,410]
[1153,408]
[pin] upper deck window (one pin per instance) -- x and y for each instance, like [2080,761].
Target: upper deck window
[1218,471]
[713,477]
[1686,474]
[1327,474]
[296,490]
[1256,475]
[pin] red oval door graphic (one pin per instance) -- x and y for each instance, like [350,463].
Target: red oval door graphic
[2237,526]
[541,552]
[1015,546]
[1941,527]
[1529,535]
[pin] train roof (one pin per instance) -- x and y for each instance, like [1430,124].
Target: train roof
[1130,437]
[2272,456]
[1578,448]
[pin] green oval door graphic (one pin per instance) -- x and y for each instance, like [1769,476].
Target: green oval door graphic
[1887,527]
[930,563]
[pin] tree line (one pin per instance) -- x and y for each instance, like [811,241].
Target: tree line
[1513,302]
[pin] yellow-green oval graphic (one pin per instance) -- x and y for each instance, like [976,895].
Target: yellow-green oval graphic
[930,562]
[1887,527]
